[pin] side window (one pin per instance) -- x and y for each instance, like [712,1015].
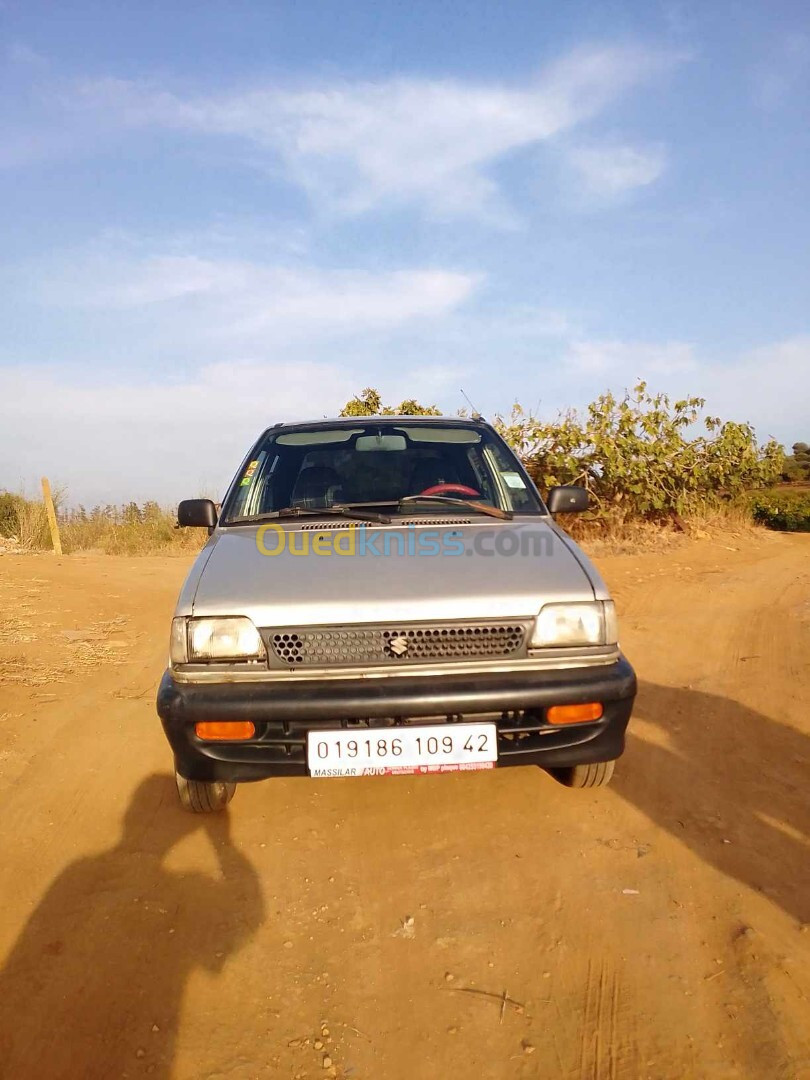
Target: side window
[483,475]
[253,493]
[265,495]
[514,488]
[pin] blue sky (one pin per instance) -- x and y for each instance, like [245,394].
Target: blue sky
[220,215]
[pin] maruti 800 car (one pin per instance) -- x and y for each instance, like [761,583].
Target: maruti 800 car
[383,595]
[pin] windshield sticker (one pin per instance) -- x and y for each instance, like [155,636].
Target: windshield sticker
[249,471]
[514,480]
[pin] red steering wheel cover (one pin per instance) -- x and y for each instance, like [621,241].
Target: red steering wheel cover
[442,489]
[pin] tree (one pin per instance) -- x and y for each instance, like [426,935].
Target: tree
[151,511]
[131,514]
[369,403]
[797,466]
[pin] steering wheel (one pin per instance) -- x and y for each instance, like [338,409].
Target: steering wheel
[445,489]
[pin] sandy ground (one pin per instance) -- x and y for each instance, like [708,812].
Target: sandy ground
[480,925]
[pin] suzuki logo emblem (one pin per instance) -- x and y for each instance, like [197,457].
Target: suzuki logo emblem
[398,645]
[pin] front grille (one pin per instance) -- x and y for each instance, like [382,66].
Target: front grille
[353,646]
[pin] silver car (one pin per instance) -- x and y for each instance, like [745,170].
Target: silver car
[385,595]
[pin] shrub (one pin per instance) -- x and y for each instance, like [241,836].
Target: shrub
[9,511]
[24,519]
[783,509]
[639,457]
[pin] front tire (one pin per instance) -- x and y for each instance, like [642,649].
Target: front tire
[203,797]
[597,774]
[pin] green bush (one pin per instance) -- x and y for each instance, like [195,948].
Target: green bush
[783,509]
[797,466]
[642,455]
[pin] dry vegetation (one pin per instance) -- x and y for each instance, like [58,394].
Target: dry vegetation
[724,522]
[114,530]
[135,530]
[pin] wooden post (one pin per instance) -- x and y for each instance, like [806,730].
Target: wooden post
[50,510]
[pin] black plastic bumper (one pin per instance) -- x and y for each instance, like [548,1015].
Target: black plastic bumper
[283,713]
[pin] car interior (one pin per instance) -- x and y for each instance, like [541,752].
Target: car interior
[315,469]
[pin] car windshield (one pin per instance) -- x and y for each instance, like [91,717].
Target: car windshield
[373,463]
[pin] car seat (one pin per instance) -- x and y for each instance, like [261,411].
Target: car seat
[316,486]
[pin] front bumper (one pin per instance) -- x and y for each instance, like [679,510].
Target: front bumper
[283,714]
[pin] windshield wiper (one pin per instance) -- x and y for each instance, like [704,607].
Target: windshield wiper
[468,504]
[337,510]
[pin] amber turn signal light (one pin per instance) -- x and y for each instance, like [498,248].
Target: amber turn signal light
[574,714]
[224,730]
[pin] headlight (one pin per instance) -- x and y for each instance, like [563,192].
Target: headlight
[200,640]
[589,623]
[178,643]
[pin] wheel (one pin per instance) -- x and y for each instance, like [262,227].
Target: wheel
[597,774]
[202,797]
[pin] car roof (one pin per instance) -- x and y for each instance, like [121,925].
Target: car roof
[348,421]
[351,421]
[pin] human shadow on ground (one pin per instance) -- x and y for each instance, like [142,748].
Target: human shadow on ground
[94,984]
[728,781]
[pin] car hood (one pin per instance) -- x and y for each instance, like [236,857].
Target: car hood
[489,576]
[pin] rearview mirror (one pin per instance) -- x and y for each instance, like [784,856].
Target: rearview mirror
[380,442]
[568,499]
[197,512]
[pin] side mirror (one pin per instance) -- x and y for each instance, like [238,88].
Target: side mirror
[197,512]
[568,500]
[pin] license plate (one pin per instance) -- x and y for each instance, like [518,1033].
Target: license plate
[408,750]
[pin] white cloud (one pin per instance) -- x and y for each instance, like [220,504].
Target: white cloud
[768,386]
[238,303]
[633,359]
[216,349]
[107,439]
[609,171]
[356,145]
[18,54]
[146,438]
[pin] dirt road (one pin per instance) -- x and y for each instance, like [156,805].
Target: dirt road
[490,925]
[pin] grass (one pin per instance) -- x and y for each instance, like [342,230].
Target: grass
[150,529]
[112,530]
[155,535]
[615,533]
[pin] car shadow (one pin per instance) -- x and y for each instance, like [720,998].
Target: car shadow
[93,986]
[728,781]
